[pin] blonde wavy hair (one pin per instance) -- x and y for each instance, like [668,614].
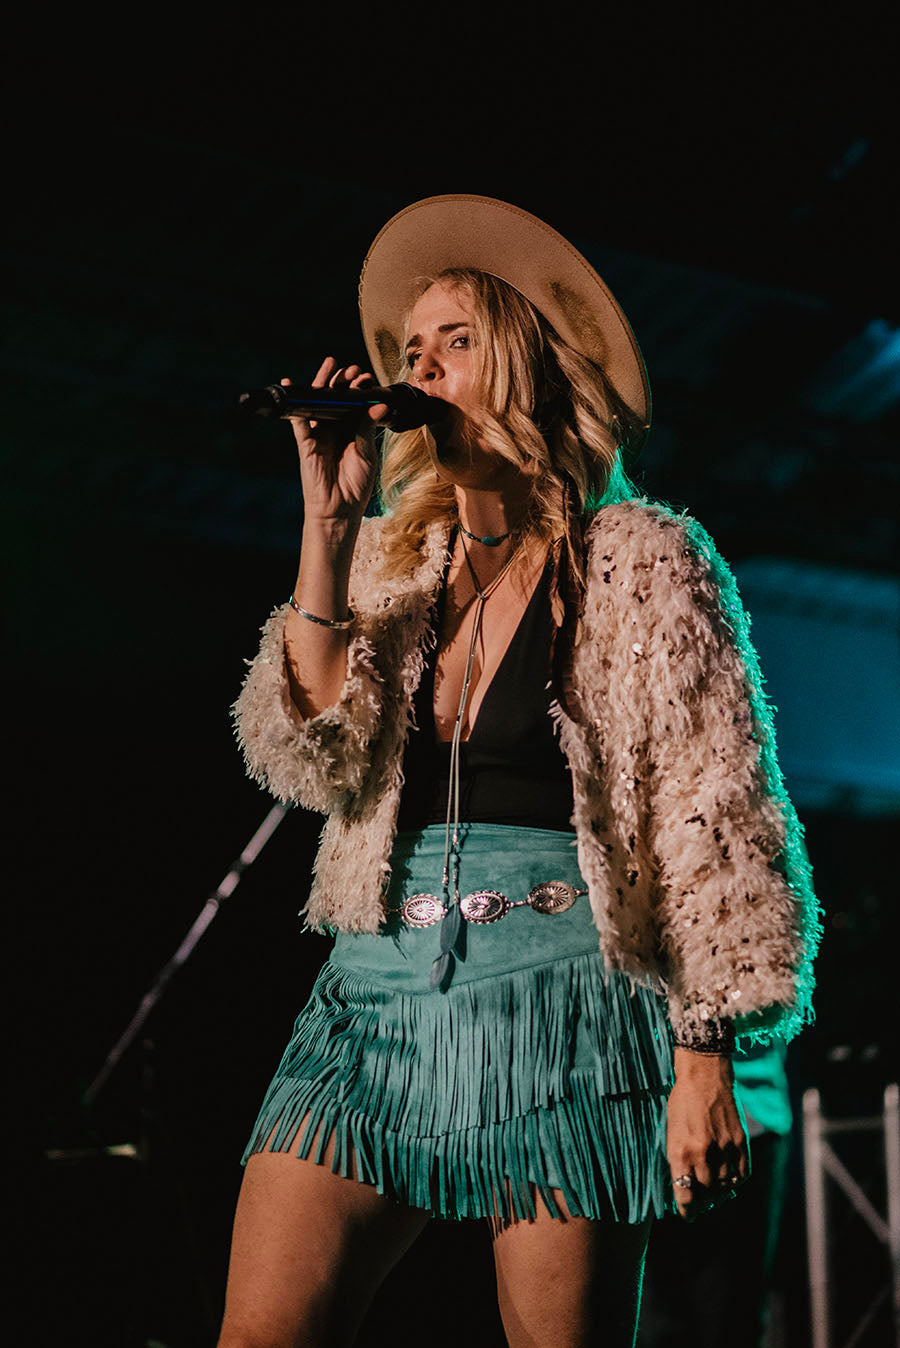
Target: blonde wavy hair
[543,406]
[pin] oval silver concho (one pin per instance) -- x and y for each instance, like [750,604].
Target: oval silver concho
[485,905]
[421,910]
[553,896]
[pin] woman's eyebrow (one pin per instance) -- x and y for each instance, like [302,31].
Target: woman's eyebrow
[444,327]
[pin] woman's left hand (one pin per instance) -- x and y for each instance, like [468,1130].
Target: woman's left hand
[705,1139]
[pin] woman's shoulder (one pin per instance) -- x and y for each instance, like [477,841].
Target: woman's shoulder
[642,532]
[642,550]
[643,517]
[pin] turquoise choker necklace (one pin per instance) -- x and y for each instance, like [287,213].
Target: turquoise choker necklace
[489,540]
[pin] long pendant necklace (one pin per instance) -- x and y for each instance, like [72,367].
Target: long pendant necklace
[450,926]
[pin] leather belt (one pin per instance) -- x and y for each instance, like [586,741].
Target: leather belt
[489,905]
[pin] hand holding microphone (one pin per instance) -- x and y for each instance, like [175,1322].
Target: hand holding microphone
[407,407]
[338,474]
[338,458]
[334,426]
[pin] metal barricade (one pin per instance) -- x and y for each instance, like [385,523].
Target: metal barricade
[819,1160]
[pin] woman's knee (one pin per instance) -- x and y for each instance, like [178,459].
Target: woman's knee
[249,1338]
[563,1280]
[309,1251]
[310,1329]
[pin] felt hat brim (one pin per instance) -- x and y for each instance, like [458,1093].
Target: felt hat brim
[493,236]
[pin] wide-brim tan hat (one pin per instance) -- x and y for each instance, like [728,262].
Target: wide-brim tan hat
[493,236]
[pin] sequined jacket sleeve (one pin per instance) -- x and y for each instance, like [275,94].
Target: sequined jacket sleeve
[736,915]
[320,762]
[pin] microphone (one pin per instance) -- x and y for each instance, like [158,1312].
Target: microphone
[407,406]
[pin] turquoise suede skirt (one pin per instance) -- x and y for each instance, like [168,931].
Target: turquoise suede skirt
[531,1072]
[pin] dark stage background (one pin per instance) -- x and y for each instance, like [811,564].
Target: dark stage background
[191,203]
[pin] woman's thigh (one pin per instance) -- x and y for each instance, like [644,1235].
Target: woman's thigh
[567,1282]
[309,1251]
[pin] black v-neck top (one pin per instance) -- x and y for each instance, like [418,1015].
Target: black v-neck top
[512,769]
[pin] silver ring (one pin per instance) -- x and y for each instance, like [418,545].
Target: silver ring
[683,1181]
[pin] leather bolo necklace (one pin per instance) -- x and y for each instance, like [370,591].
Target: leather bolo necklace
[450,927]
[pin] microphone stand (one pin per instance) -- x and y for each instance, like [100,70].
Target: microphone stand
[152,996]
[141,1152]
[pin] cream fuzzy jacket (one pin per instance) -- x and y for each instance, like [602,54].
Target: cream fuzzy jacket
[698,876]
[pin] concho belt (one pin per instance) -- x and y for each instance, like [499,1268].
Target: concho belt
[489,905]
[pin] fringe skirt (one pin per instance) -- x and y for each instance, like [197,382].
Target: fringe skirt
[535,1069]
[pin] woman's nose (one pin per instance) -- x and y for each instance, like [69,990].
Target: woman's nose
[426,368]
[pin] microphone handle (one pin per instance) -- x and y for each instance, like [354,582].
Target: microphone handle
[407,406]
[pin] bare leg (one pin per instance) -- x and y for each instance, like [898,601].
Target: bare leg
[309,1252]
[570,1282]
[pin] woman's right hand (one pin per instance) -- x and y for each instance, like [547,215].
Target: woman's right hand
[338,460]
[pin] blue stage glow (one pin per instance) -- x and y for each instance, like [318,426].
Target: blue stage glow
[829,646]
[862,380]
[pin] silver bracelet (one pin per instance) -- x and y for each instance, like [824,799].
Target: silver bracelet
[323,622]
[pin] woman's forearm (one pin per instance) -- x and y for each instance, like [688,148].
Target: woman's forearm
[316,656]
[702,1066]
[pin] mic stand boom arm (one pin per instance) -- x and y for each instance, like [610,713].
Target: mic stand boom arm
[154,993]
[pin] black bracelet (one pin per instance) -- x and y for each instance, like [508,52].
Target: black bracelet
[717,1037]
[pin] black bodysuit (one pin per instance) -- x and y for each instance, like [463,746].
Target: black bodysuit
[512,769]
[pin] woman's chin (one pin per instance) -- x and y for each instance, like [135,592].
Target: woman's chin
[457,464]
[465,465]
[452,458]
